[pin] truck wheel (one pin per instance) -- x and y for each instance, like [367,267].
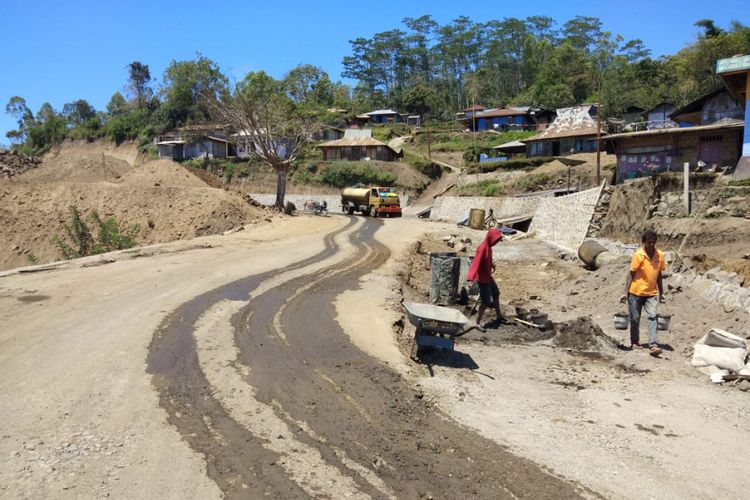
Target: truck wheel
[350,210]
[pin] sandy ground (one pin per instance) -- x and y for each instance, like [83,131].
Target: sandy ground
[80,416]
[622,423]
[82,419]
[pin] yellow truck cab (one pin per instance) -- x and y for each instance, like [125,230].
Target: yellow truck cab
[374,201]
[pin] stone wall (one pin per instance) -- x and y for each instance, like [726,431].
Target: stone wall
[457,208]
[564,220]
[717,286]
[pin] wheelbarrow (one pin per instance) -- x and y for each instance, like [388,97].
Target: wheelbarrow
[436,326]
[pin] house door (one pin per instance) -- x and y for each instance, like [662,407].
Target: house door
[555,148]
[177,154]
[710,150]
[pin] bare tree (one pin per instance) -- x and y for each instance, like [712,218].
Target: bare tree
[270,128]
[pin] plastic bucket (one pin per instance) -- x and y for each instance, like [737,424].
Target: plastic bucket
[621,321]
[476,218]
[662,321]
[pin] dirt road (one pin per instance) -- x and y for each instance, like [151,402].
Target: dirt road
[225,366]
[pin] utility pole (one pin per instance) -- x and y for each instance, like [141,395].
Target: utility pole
[427,126]
[599,132]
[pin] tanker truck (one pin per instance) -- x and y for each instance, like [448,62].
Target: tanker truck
[375,201]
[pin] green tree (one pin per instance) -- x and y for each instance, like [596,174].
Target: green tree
[117,105]
[18,109]
[139,77]
[269,122]
[190,89]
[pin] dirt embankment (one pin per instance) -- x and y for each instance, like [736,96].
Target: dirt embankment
[165,200]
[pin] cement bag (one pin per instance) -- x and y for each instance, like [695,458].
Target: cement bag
[746,370]
[729,354]
[720,338]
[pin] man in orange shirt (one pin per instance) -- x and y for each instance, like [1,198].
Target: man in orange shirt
[642,287]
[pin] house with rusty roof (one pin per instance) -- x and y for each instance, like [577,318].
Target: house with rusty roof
[574,130]
[706,133]
[358,144]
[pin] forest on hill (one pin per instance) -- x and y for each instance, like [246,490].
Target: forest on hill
[421,67]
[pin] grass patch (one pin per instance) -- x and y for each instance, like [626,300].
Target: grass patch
[344,173]
[513,164]
[488,188]
[742,182]
[424,165]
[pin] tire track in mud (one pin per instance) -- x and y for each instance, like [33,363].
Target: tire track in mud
[191,407]
[369,433]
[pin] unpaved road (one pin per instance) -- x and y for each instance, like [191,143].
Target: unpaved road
[229,366]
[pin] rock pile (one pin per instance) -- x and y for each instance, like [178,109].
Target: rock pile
[12,163]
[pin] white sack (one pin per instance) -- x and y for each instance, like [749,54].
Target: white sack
[720,338]
[728,358]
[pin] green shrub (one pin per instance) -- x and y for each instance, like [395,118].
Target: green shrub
[80,241]
[424,165]
[742,182]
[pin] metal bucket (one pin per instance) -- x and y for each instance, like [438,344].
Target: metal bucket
[476,218]
[621,321]
[662,321]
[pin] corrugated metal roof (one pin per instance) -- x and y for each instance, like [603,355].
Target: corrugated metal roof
[351,133]
[382,112]
[570,122]
[352,142]
[724,123]
[510,145]
[499,112]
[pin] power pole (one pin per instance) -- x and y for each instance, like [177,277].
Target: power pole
[599,134]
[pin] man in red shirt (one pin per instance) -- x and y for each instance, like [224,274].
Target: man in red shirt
[642,286]
[480,271]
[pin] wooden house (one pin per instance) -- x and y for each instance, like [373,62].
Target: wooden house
[711,137]
[573,131]
[358,144]
[192,142]
[658,117]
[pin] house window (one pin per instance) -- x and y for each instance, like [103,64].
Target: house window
[710,138]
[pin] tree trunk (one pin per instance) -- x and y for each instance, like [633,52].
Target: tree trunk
[281,174]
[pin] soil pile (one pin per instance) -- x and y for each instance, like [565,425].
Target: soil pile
[163,199]
[75,161]
[582,334]
[12,163]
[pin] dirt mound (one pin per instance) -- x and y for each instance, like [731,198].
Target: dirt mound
[80,161]
[16,163]
[582,334]
[32,214]
[165,173]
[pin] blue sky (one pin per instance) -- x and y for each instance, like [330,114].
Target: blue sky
[60,51]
